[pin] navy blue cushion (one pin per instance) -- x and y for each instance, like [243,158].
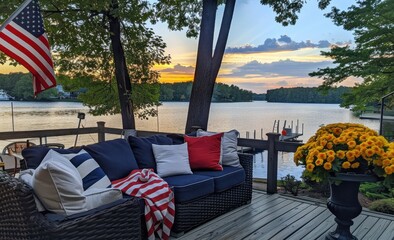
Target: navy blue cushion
[226,179]
[114,157]
[142,149]
[189,187]
[176,138]
[34,155]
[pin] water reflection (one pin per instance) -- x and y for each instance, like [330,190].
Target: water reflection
[245,117]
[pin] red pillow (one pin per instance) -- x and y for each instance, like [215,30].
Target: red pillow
[204,152]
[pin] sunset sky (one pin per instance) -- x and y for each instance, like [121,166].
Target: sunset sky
[261,54]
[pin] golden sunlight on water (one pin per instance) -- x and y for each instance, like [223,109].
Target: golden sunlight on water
[245,117]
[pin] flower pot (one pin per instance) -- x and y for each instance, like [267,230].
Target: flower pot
[344,204]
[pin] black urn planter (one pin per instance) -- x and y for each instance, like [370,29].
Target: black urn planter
[344,204]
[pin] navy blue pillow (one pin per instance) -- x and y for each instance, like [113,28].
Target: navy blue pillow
[142,149]
[114,157]
[34,155]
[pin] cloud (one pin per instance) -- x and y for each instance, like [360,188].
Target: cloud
[179,69]
[284,43]
[279,68]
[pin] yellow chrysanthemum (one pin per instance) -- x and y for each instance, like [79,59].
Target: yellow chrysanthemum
[363,137]
[319,162]
[323,142]
[355,165]
[369,142]
[329,137]
[329,145]
[346,165]
[340,154]
[350,156]
[327,166]
[310,167]
[357,153]
[388,170]
[337,131]
[341,139]
[322,155]
[386,162]
[351,144]
[330,158]
[369,152]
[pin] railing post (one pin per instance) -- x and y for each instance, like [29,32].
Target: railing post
[272,166]
[101,131]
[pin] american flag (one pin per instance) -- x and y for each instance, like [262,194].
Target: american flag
[22,37]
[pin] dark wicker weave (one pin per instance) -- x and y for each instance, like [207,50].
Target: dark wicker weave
[19,218]
[193,214]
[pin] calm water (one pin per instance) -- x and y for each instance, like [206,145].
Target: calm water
[256,118]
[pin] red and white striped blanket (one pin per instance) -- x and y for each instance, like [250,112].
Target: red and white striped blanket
[159,200]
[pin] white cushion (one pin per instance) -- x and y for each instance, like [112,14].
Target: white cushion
[229,153]
[96,197]
[58,185]
[27,177]
[93,176]
[171,159]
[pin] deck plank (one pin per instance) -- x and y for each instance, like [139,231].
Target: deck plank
[290,229]
[247,227]
[219,222]
[365,226]
[286,217]
[389,232]
[307,228]
[282,225]
[377,230]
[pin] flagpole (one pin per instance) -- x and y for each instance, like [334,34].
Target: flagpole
[12,115]
[17,11]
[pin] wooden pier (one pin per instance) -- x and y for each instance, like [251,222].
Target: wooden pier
[285,217]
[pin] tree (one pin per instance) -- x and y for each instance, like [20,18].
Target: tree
[97,40]
[372,57]
[199,16]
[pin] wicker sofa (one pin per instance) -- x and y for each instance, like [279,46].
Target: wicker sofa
[20,219]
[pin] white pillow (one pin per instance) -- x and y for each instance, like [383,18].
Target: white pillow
[58,185]
[27,177]
[229,153]
[171,159]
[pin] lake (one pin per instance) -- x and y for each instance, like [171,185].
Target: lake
[249,118]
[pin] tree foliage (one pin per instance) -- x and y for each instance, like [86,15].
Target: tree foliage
[306,95]
[222,92]
[371,58]
[80,37]
[19,86]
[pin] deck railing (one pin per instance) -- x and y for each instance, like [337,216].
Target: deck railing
[272,145]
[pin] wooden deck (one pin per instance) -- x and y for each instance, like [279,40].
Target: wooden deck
[285,217]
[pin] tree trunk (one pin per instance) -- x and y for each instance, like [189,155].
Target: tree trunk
[208,64]
[121,73]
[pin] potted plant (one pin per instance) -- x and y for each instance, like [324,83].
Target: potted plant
[346,154]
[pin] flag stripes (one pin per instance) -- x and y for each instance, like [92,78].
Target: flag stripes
[22,38]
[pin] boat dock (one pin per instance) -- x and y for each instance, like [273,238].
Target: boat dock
[375,116]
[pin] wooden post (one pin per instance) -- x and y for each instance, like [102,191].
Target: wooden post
[272,166]
[101,131]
